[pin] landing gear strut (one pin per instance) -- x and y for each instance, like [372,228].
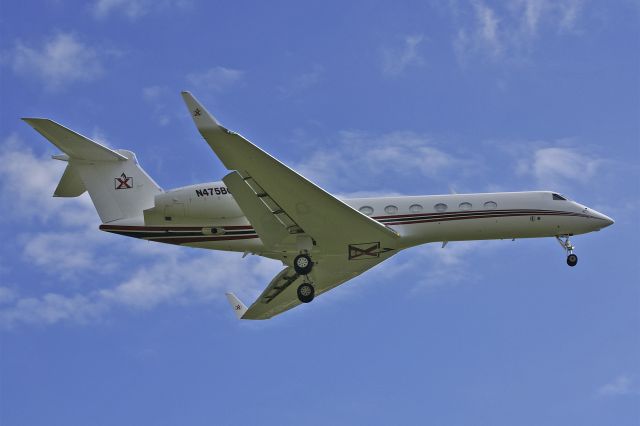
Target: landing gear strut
[572,259]
[302,264]
[306,292]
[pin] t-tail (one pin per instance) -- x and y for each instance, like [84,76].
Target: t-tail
[119,188]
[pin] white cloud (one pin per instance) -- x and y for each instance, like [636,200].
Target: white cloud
[495,33]
[431,266]
[7,295]
[488,28]
[175,277]
[569,13]
[199,278]
[216,78]
[620,386]
[80,253]
[63,60]
[359,161]
[31,193]
[557,166]
[157,97]
[396,60]
[302,82]
[133,9]
[153,93]
[49,309]
[130,8]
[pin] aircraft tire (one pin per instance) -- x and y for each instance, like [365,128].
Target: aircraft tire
[306,292]
[572,260]
[302,264]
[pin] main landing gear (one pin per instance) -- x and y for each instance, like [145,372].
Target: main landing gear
[572,259]
[306,292]
[303,265]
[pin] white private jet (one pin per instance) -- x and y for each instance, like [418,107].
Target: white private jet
[263,207]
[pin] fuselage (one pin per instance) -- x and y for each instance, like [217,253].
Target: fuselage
[207,216]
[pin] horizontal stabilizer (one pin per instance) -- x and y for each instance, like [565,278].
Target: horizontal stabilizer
[236,304]
[71,143]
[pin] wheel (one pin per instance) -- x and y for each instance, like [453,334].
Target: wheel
[306,292]
[572,260]
[302,264]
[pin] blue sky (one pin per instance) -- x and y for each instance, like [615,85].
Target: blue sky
[364,98]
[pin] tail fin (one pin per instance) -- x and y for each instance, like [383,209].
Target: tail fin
[117,185]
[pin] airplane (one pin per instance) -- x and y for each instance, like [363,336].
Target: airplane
[263,207]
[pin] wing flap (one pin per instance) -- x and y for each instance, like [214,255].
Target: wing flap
[277,297]
[269,228]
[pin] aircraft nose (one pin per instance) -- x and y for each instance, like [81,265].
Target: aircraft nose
[606,219]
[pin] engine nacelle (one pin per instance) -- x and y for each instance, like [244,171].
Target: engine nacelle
[207,203]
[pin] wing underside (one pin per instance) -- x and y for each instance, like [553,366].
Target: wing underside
[280,295]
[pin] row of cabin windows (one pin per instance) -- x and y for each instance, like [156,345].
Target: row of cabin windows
[417,208]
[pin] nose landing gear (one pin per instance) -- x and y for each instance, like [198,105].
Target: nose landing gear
[572,259]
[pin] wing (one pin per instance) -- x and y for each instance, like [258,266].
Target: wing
[300,205]
[280,295]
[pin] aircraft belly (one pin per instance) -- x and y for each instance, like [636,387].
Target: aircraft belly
[242,245]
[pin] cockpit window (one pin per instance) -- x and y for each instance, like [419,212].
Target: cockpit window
[559,197]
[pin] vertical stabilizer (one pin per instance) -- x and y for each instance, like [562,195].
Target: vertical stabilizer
[118,186]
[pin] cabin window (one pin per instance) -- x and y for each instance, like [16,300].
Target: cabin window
[415,208]
[490,205]
[368,210]
[440,207]
[465,206]
[559,197]
[391,209]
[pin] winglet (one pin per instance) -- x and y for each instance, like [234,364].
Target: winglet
[200,115]
[236,304]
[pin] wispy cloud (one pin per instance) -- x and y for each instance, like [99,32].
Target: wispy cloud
[302,81]
[157,96]
[182,277]
[432,267]
[216,78]
[133,9]
[620,386]
[509,32]
[62,60]
[556,166]
[361,161]
[30,193]
[395,60]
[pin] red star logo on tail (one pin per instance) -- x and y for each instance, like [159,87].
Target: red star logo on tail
[123,182]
